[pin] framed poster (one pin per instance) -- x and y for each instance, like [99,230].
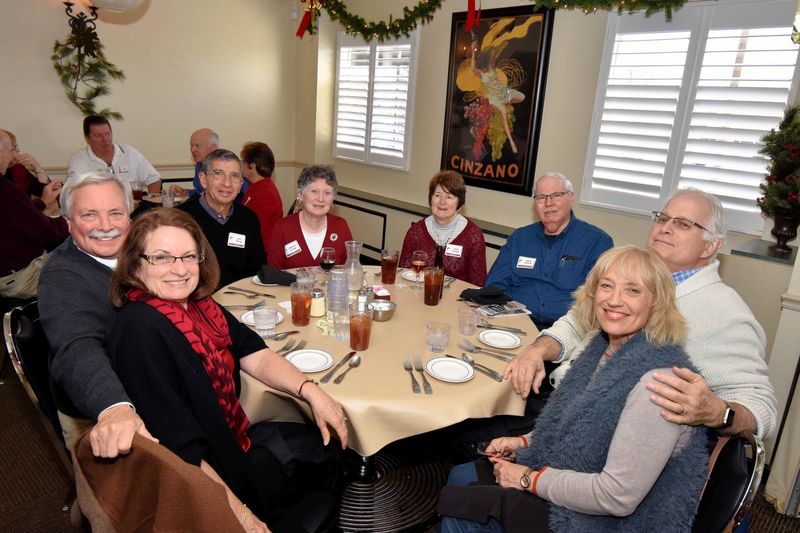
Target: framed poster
[495,97]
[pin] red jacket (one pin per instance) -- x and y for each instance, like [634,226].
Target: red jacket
[287,232]
[263,198]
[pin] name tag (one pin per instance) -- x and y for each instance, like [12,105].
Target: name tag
[526,262]
[453,250]
[293,248]
[123,170]
[236,240]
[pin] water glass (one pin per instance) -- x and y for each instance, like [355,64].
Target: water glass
[265,319]
[467,320]
[341,324]
[438,336]
[167,199]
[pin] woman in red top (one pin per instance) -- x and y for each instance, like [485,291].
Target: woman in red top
[464,246]
[262,196]
[298,238]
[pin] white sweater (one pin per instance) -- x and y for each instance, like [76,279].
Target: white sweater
[725,342]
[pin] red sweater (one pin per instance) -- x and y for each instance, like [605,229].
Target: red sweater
[469,267]
[287,232]
[263,198]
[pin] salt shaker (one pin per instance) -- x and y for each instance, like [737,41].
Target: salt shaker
[317,303]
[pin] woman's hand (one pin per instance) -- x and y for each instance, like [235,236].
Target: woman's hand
[327,413]
[508,474]
[33,166]
[504,448]
[251,523]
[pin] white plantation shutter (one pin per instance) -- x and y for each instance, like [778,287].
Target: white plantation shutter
[684,104]
[374,91]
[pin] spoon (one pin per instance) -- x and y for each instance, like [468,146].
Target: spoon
[354,362]
[480,368]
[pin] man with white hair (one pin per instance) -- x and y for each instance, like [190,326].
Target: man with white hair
[732,392]
[77,314]
[542,264]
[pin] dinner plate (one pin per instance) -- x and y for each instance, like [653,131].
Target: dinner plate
[409,275]
[310,360]
[152,198]
[259,282]
[499,339]
[248,318]
[450,370]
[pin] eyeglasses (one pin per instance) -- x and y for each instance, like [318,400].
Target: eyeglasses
[556,196]
[164,260]
[683,224]
[219,175]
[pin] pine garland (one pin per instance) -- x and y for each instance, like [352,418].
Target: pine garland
[424,10]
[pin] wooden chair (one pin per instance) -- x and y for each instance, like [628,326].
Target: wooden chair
[734,474]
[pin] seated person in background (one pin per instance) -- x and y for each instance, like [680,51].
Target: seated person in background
[542,264]
[178,353]
[27,174]
[27,234]
[232,229]
[102,155]
[298,238]
[201,143]
[601,457]
[262,197]
[725,342]
[77,314]
[462,240]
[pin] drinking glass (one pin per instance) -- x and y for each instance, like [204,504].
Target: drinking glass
[301,303]
[467,320]
[434,277]
[438,335]
[327,260]
[360,325]
[265,319]
[167,199]
[389,260]
[137,189]
[419,260]
[341,324]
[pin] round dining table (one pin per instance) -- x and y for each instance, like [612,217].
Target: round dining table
[377,396]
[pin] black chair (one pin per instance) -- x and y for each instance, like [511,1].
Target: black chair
[734,474]
[29,352]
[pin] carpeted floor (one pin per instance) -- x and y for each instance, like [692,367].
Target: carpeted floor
[34,485]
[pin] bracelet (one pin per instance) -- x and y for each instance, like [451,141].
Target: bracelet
[524,441]
[536,479]
[303,384]
[40,171]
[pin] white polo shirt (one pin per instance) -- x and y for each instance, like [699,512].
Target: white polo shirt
[128,163]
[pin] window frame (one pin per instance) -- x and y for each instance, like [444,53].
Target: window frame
[369,156]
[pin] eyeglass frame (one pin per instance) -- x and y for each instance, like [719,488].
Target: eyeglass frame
[676,221]
[556,196]
[150,258]
[221,175]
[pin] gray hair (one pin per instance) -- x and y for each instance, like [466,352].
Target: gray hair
[220,154]
[317,172]
[92,178]
[717,222]
[559,176]
[213,138]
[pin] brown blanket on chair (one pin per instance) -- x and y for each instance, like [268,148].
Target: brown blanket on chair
[150,489]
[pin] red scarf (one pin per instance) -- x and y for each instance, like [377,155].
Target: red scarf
[205,327]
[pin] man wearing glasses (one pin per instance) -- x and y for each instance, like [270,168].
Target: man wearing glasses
[232,229]
[543,263]
[732,392]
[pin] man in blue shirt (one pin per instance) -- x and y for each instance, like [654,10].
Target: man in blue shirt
[543,263]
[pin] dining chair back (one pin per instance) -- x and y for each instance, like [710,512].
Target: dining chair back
[734,474]
[29,352]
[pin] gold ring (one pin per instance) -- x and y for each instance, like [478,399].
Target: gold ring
[683,409]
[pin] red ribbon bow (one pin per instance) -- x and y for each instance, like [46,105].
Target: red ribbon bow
[473,17]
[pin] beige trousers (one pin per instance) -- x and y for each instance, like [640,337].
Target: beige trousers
[22,283]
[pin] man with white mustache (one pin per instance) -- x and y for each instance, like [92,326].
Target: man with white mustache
[76,314]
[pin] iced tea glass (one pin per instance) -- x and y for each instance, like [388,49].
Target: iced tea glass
[434,277]
[360,326]
[389,260]
[301,303]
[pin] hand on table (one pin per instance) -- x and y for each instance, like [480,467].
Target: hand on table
[114,431]
[327,413]
[178,191]
[508,474]
[686,398]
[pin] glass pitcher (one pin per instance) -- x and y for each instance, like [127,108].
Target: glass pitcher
[355,272]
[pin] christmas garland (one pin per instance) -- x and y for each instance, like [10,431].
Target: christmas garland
[424,10]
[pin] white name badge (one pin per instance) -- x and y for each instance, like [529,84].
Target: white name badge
[526,262]
[453,250]
[236,240]
[123,170]
[293,248]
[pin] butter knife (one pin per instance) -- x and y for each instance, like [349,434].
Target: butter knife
[327,377]
[248,291]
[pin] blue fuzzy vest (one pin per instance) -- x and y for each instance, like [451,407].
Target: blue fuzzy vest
[574,432]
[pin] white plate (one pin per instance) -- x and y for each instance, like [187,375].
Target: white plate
[258,282]
[450,370]
[499,339]
[310,360]
[409,275]
[248,318]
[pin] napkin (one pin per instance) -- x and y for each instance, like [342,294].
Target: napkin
[485,295]
[273,275]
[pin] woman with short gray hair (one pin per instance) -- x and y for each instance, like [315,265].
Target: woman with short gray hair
[298,239]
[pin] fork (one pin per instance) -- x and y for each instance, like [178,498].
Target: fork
[410,370]
[262,303]
[243,295]
[286,347]
[418,368]
[468,346]
[300,345]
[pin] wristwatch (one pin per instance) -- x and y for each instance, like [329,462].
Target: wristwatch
[525,480]
[727,418]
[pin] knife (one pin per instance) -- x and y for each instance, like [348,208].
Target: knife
[503,328]
[248,291]
[480,368]
[327,377]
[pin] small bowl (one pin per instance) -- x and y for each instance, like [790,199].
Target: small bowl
[382,310]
